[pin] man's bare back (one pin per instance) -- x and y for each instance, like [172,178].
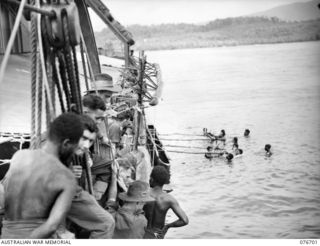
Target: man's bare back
[156,211]
[38,188]
[34,182]
[34,179]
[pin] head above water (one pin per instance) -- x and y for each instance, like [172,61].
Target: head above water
[229,157]
[159,176]
[65,132]
[209,148]
[223,133]
[246,132]
[240,151]
[235,140]
[94,107]
[267,147]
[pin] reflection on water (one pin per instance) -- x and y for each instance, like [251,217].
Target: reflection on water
[274,91]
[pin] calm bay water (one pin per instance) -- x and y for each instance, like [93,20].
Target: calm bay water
[274,90]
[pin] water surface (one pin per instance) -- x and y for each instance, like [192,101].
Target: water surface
[274,90]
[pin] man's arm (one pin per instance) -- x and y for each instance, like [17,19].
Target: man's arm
[113,189]
[111,205]
[59,209]
[183,218]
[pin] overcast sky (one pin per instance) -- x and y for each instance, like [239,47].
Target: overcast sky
[147,12]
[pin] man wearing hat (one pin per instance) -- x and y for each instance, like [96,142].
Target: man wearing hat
[94,107]
[103,85]
[105,88]
[130,221]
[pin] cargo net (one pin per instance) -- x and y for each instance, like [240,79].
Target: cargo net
[10,143]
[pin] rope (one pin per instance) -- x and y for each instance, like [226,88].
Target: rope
[77,80]
[50,111]
[153,145]
[180,134]
[68,60]
[33,78]
[179,146]
[194,139]
[50,64]
[195,153]
[49,72]
[11,40]
[39,100]
[64,80]
[84,65]
[152,140]
[58,85]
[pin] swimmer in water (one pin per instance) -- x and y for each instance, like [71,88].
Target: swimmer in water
[246,133]
[229,157]
[220,140]
[222,135]
[209,154]
[205,131]
[239,152]
[267,148]
[235,143]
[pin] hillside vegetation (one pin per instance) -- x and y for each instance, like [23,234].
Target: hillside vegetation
[221,32]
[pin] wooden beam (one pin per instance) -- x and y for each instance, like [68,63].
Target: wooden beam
[88,36]
[104,13]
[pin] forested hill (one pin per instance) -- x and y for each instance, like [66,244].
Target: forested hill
[221,32]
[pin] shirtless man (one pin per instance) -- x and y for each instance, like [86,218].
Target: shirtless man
[156,211]
[210,153]
[38,186]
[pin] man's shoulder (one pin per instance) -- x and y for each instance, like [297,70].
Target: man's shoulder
[22,153]
[31,153]
[25,156]
[164,197]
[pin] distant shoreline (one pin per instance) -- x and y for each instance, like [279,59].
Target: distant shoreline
[237,45]
[226,46]
[219,33]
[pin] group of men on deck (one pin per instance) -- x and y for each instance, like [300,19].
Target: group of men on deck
[44,195]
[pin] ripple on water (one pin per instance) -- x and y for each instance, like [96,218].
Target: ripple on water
[311,228]
[208,234]
[288,212]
